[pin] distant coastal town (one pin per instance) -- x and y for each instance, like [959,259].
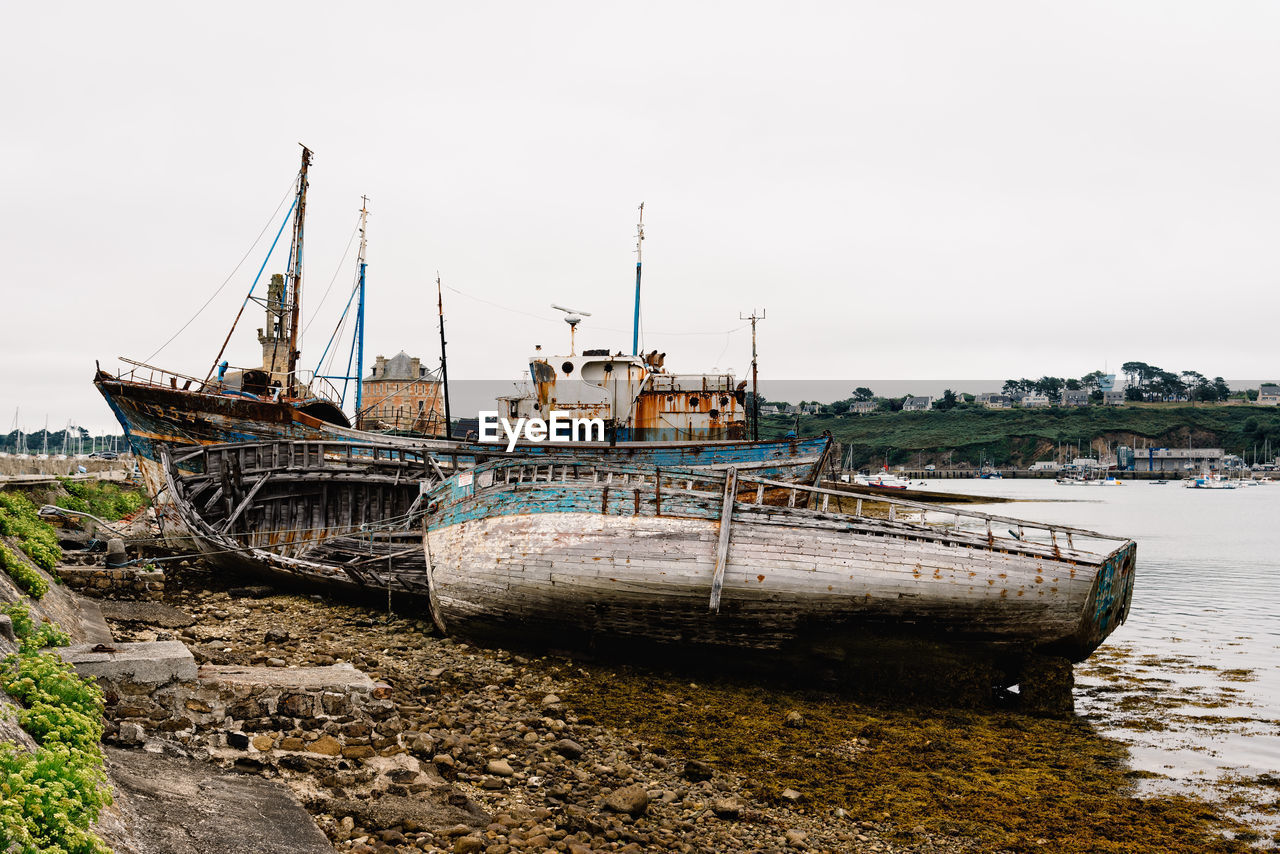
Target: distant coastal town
[1140,384]
[1145,419]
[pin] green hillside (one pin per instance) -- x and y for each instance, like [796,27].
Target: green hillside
[1021,436]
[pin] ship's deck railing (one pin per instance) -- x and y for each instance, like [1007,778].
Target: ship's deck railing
[816,500]
[157,377]
[405,462]
[145,374]
[681,383]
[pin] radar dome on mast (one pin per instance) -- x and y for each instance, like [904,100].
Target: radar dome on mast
[572,317]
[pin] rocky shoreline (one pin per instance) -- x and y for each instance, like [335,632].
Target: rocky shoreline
[484,739]
[488,750]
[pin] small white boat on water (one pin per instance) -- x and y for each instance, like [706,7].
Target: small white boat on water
[1209,480]
[881,479]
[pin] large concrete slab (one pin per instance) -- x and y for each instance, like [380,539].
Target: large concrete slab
[335,677]
[166,805]
[153,663]
[151,613]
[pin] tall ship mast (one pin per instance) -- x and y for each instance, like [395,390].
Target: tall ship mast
[271,401]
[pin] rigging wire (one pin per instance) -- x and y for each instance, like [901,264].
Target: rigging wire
[601,328]
[340,329]
[288,191]
[316,311]
[339,333]
[249,295]
[728,339]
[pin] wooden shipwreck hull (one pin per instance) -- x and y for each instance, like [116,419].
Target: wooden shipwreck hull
[324,510]
[338,513]
[153,414]
[575,551]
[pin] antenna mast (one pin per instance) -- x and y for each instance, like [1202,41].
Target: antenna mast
[294,298]
[635,326]
[444,365]
[755,387]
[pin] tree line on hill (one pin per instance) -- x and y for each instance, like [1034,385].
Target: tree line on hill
[1143,383]
[862,394]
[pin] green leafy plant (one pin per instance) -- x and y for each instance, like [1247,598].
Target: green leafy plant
[62,706]
[28,579]
[49,799]
[32,637]
[20,615]
[19,519]
[48,634]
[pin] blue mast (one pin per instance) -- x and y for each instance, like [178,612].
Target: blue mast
[364,212]
[357,339]
[635,326]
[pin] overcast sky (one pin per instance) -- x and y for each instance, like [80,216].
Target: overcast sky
[912,190]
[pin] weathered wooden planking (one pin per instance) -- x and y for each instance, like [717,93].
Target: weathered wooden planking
[630,551]
[477,576]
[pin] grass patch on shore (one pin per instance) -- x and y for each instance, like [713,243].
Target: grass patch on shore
[1009,781]
[104,499]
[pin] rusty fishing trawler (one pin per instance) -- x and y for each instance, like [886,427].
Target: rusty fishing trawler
[277,401]
[271,401]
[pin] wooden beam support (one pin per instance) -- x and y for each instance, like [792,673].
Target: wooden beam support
[240,508]
[722,547]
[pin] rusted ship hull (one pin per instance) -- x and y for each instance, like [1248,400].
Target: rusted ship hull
[153,415]
[792,460]
[579,552]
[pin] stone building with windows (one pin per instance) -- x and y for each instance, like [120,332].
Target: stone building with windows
[1075,398]
[401,395]
[994,400]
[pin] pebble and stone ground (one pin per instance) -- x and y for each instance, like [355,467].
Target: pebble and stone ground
[525,747]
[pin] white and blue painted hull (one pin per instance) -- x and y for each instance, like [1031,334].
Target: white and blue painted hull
[572,559]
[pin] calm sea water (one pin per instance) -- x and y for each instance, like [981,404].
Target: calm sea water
[1191,681]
